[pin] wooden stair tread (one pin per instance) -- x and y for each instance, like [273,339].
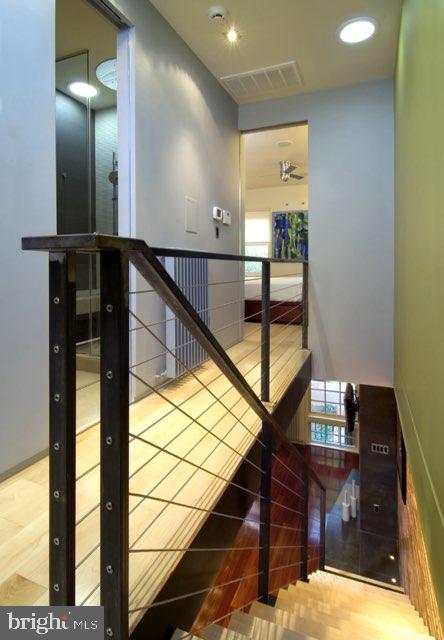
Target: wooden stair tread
[342,617]
[358,605]
[354,600]
[257,627]
[311,628]
[354,584]
[394,589]
[216,632]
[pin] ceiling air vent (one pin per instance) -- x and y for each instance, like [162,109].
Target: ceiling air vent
[263,82]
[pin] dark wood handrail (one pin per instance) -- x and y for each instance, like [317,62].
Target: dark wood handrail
[95,242]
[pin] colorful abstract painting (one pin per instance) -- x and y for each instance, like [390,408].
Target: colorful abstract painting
[290,234]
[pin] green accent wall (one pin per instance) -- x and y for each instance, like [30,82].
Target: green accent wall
[419,279]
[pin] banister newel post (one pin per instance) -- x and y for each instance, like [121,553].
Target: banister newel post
[305,522]
[114,441]
[322,530]
[265,333]
[266,439]
[62,428]
[305,305]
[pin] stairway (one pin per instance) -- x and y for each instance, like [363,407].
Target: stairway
[328,607]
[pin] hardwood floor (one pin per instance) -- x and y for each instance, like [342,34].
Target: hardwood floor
[216,441]
[333,468]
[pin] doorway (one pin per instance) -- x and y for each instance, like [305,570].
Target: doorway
[86,166]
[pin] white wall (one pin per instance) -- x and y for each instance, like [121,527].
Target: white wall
[27,206]
[186,144]
[277,198]
[351,162]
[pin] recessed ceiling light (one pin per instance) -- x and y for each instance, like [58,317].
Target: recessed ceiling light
[394,580]
[82,89]
[106,72]
[284,143]
[392,557]
[357,30]
[232,35]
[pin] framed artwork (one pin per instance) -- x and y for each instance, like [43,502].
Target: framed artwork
[290,234]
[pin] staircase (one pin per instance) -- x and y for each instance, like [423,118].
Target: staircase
[328,607]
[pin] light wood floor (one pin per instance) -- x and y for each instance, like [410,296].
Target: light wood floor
[216,441]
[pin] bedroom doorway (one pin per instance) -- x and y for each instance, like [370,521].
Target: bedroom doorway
[275,197]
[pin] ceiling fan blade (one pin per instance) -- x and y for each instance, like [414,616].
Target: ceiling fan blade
[295,176]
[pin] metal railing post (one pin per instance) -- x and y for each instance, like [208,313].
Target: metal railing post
[304,542]
[305,305]
[62,427]
[265,333]
[265,513]
[322,530]
[114,441]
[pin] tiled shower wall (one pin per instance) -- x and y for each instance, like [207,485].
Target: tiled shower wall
[105,145]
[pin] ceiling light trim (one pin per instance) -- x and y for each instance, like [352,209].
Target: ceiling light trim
[347,23]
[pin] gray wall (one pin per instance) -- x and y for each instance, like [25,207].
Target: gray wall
[27,205]
[351,192]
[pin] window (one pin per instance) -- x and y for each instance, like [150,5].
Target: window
[257,239]
[327,397]
[327,415]
[258,251]
[336,435]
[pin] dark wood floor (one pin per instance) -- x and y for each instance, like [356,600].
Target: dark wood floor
[333,468]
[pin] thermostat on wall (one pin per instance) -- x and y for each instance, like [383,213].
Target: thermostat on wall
[217,213]
[226,217]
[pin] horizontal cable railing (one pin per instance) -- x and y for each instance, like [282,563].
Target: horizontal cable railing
[189,362]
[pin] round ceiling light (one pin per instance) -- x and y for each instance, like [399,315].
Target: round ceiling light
[357,30]
[232,35]
[82,89]
[106,73]
[284,143]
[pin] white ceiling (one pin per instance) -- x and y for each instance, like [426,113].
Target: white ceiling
[80,28]
[278,31]
[262,156]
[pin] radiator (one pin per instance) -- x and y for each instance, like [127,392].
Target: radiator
[191,276]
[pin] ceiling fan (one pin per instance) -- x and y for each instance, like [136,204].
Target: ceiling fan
[287,169]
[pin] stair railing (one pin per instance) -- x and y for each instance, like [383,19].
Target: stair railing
[281,469]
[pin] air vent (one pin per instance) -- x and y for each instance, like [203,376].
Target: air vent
[263,82]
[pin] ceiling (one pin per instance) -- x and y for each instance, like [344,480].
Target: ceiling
[262,156]
[278,31]
[80,28]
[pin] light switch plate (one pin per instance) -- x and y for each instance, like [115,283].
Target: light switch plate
[226,217]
